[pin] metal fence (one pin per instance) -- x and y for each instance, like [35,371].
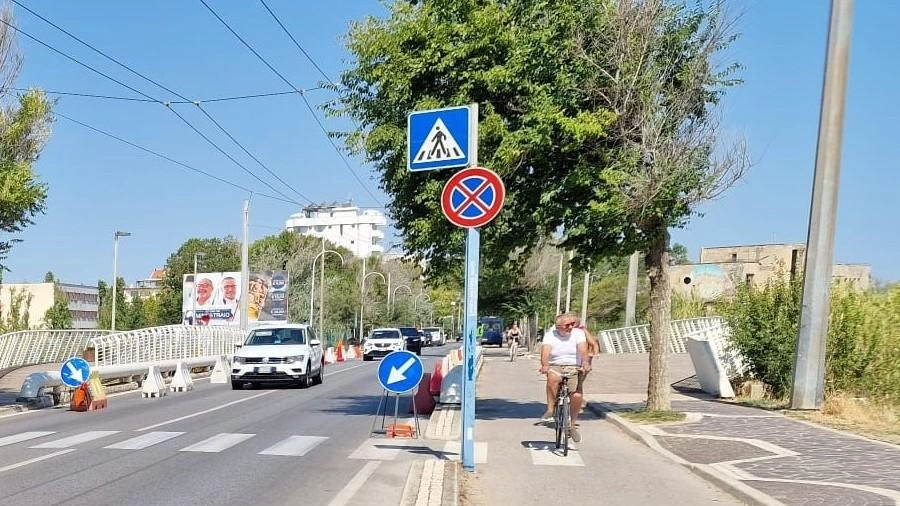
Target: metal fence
[637,339]
[164,343]
[29,347]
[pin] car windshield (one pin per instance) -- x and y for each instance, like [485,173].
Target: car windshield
[276,336]
[384,334]
[409,331]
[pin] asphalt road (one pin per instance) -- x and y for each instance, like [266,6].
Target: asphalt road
[213,445]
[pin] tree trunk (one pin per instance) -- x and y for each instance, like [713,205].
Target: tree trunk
[658,397]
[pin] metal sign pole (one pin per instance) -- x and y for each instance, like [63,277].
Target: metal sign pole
[473,243]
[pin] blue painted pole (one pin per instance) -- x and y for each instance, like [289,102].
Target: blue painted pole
[473,242]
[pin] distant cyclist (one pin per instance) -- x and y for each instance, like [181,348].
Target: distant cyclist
[513,336]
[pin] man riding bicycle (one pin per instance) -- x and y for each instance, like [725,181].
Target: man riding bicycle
[564,353]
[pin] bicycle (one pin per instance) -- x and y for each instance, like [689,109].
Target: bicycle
[513,349]
[563,416]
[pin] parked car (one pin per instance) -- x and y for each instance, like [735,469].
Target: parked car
[288,353]
[413,338]
[381,342]
[434,336]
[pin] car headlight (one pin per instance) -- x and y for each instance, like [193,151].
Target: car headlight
[294,359]
[239,360]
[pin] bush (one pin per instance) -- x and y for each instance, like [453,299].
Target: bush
[863,348]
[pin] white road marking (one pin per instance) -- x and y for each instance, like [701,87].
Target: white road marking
[36,459]
[217,443]
[205,411]
[144,440]
[24,436]
[453,449]
[77,439]
[546,454]
[232,403]
[295,446]
[346,494]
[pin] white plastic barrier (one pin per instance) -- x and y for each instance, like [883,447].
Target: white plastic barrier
[220,373]
[153,385]
[330,356]
[451,384]
[182,381]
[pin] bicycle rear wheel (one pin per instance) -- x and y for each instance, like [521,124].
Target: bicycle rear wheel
[565,426]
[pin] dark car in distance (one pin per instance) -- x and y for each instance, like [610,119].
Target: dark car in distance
[413,338]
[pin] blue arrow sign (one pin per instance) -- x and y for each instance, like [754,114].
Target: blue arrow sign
[75,371]
[438,138]
[400,371]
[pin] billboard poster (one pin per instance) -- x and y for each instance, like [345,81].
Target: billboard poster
[215,297]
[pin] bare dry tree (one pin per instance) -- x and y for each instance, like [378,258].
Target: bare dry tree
[657,70]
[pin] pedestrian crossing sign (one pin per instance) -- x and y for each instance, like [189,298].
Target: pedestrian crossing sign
[438,138]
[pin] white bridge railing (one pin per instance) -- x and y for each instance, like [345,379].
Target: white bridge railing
[29,347]
[171,342]
[637,339]
[153,344]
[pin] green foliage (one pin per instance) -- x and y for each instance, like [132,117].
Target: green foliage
[58,315]
[17,318]
[863,349]
[538,130]
[679,255]
[24,129]
[105,311]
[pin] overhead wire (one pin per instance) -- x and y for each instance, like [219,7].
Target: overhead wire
[203,101]
[168,159]
[167,104]
[302,97]
[294,40]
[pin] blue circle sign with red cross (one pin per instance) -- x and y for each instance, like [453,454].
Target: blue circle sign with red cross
[473,197]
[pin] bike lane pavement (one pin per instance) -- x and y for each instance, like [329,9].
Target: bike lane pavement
[517,463]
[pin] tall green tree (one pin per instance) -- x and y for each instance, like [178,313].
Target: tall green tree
[18,315]
[598,114]
[58,315]
[24,130]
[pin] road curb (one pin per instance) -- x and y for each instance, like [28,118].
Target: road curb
[721,480]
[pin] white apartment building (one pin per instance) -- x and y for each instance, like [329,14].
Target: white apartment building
[83,302]
[358,230]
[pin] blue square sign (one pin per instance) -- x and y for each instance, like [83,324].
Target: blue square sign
[438,139]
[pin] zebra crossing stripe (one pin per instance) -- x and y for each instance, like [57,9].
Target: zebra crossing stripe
[295,446]
[144,440]
[217,443]
[24,436]
[77,439]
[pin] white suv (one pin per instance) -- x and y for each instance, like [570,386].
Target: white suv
[383,341]
[287,353]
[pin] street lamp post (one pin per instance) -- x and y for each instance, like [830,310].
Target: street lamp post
[393,297]
[362,298]
[415,304]
[312,285]
[197,256]
[115,282]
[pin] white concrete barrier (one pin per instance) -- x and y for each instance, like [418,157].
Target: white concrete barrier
[451,384]
[330,356]
[221,373]
[182,381]
[153,385]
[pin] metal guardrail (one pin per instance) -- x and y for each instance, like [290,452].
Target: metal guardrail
[171,342]
[30,347]
[637,339]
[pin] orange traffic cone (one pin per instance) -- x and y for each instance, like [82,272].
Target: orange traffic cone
[340,351]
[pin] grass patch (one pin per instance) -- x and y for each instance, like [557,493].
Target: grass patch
[859,416]
[764,403]
[644,416]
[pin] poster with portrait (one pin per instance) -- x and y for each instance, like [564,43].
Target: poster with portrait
[214,299]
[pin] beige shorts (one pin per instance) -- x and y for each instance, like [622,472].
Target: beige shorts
[571,371]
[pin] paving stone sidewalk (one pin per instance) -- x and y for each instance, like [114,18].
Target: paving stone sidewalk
[784,460]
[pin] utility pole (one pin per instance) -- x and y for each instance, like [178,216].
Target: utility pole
[631,291]
[559,284]
[809,367]
[584,297]
[362,299]
[322,292]
[569,283]
[245,266]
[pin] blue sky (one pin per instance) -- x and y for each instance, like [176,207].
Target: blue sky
[98,185]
